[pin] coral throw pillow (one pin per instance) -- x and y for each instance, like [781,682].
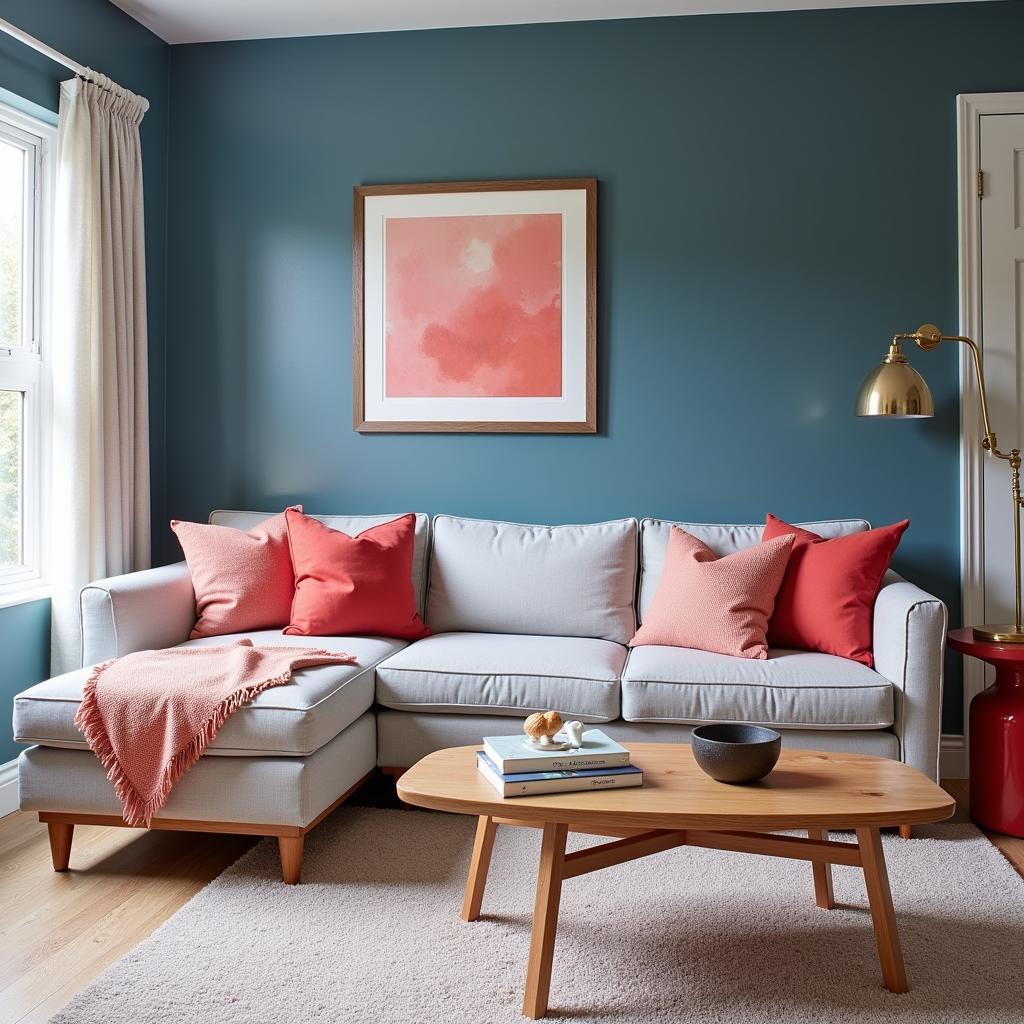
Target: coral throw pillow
[242,578]
[353,585]
[715,604]
[827,600]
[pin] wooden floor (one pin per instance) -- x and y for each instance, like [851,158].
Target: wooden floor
[59,931]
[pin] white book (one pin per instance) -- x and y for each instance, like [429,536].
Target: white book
[537,783]
[511,754]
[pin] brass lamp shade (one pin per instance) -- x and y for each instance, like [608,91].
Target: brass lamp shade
[894,388]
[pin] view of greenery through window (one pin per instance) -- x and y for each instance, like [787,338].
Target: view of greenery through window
[12,216]
[10,478]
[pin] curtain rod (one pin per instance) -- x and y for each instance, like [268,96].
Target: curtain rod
[46,51]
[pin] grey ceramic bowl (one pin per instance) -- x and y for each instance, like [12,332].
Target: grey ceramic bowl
[735,753]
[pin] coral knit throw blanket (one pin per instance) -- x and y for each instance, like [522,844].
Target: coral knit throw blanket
[149,716]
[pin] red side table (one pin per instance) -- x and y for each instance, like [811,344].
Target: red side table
[996,735]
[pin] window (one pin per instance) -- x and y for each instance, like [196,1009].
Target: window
[25,144]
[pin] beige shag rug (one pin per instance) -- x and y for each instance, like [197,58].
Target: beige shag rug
[373,935]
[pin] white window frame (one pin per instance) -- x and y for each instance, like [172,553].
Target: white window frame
[25,368]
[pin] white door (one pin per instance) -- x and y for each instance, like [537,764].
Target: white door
[1002,338]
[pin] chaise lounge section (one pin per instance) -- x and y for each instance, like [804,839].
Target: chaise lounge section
[276,768]
[525,618]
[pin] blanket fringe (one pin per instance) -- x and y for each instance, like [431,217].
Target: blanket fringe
[140,810]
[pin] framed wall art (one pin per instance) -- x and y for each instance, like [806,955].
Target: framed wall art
[475,306]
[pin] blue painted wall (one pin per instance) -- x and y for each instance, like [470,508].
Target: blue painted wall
[777,197]
[763,230]
[25,647]
[99,35]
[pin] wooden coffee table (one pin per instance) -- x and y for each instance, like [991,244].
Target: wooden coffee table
[678,805]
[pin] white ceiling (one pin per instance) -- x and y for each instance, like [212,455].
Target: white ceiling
[201,21]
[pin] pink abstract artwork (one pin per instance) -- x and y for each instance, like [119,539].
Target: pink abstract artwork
[473,306]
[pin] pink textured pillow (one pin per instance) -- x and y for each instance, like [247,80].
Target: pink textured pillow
[243,579]
[715,604]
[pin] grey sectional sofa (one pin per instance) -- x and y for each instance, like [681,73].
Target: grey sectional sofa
[525,618]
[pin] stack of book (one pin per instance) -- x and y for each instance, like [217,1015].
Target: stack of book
[515,768]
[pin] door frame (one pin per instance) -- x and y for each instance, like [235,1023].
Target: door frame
[971,108]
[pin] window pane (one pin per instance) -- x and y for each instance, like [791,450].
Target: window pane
[12,243]
[11,439]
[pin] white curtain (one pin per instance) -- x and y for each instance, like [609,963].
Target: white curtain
[99,492]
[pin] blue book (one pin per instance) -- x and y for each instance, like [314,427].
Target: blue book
[535,783]
[510,754]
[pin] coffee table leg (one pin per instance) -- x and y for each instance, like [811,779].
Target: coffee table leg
[545,920]
[482,846]
[822,874]
[887,938]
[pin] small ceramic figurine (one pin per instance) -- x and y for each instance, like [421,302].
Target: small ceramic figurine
[574,734]
[542,726]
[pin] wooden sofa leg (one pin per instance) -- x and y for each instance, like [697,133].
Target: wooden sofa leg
[906,831]
[290,849]
[61,835]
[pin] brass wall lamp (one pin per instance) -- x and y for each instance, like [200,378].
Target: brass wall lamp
[895,389]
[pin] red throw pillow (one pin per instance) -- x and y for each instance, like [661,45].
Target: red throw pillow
[353,585]
[242,578]
[827,600]
[715,604]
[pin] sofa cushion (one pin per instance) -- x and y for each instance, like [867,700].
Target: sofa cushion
[827,600]
[723,539]
[493,577]
[290,720]
[792,689]
[715,604]
[268,790]
[350,525]
[243,579]
[505,674]
[404,737]
[353,585]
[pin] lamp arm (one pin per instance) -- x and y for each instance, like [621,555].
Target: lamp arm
[927,337]
[989,441]
[926,340]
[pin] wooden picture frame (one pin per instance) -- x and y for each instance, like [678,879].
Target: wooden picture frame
[484,363]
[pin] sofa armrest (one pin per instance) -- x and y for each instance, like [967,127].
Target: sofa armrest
[910,645]
[141,611]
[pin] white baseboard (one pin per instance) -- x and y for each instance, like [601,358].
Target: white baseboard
[952,757]
[8,787]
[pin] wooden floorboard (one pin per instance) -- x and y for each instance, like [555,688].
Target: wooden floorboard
[59,931]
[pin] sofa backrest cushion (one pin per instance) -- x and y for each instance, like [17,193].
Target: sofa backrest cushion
[723,539]
[350,525]
[494,577]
